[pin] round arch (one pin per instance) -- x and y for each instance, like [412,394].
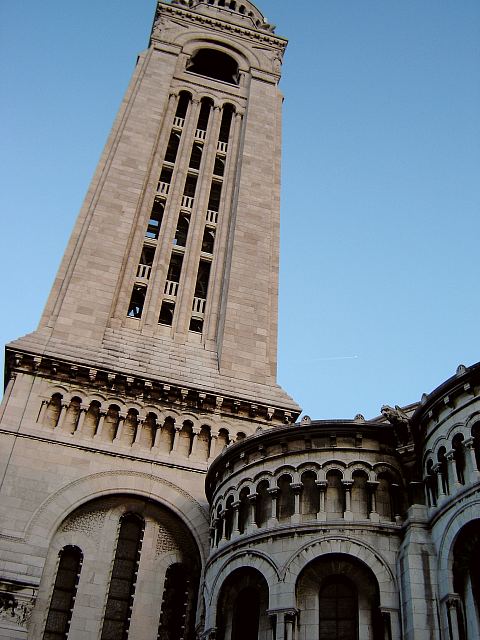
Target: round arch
[351,548]
[55,509]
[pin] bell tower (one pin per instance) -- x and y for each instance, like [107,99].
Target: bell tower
[172,267]
[157,346]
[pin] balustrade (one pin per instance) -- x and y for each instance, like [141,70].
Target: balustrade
[187,202]
[144,271]
[171,288]
[163,188]
[178,122]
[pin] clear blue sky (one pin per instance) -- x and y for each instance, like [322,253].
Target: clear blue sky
[379,297]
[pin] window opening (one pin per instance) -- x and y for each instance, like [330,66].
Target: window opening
[189,192]
[225,126]
[137,301]
[176,618]
[182,106]
[221,3]
[166,313]
[214,198]
[172,147]
[203,275]
[175,267]
[457,445]
[242,9]
[233,5]
[196,156]
[156,217]
[146,262]
[182,230]
[124,576]
[219,168]
[204,114]
[64,593]
[196,325]
[215,64]
[208,240]
[165,180]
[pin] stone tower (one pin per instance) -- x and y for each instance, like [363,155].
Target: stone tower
[157,346]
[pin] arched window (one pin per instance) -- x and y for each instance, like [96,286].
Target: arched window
[64,592]
[124,576]
[431,485]
[214,64]
[182,106]
[263,505]
[178,604]
[310,496]
[52,414]
[442,460]
[338,610]
[244,510]
[457,445]
[286,499]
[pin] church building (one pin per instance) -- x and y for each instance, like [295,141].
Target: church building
[157,483]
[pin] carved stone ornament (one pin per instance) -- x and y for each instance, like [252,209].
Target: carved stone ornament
[399,421]
[15,610]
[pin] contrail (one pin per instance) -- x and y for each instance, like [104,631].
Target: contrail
[336,358]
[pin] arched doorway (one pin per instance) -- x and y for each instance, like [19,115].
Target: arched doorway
[338,598]
[242,606]
[466,580]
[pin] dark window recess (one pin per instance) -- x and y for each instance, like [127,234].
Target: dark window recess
[172,147]
[156,217]
[166,313]
[203,275]
[196,157]
[205,108]
[175,267]
[176,615]
[135,308]
[338,610]
[182,106]
[190,186]
[196,324]
[147,256]
[208,240]
[124,576]
[215,194]
[166,175]
[64,592]
[227,115]
[214,64]
[219,168]
[182,230]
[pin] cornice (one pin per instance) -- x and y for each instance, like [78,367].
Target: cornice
[145,389]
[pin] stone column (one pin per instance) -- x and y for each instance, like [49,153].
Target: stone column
[195,434]
[373,486]
[453,482]
[252,499]
[121,421]
[322,487]
[235,525]
[43,408]
[80,421]
[297,490]
[472,472]
[347,485]
[138,430]
[223,520]
[175,438]
[99,428]
[213,444]
[273,493]
[61,417]
[440,490]
[290,623]
[453,603]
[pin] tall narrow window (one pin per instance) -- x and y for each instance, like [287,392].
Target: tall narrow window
[135,308]
[204,115]
[124,574]
[338,610]
[227,115]
[182,230]
[64,592]
[172,147]
[182,105]
[196,156]
[178,606]
[214,199]
[203,275]
[156,217]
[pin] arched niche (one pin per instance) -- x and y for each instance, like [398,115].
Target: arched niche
[242,606]
[339,599]
[214,64]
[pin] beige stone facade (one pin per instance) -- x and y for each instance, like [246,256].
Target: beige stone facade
[155,483]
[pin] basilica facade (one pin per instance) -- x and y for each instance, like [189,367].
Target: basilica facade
[157,482]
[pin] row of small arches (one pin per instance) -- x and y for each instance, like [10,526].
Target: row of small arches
[457,465]
[282,501]
[233,5]
[190,438]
